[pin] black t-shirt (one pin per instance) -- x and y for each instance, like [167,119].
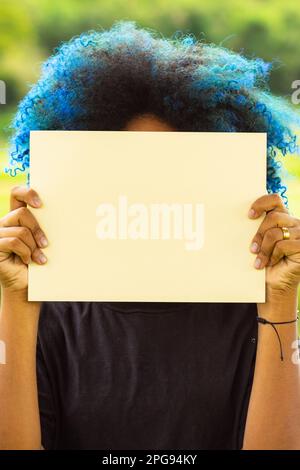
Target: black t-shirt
[145,375]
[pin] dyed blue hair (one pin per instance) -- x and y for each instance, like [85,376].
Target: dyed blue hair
[100,79]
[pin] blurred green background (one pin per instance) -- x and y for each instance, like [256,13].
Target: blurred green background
[30,29]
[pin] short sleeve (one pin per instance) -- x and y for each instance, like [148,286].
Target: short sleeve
[45,399]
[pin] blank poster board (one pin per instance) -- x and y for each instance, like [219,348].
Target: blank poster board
[147,216]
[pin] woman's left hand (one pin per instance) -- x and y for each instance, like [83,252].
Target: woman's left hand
[280,257]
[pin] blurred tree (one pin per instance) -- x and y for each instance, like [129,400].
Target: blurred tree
[30,29]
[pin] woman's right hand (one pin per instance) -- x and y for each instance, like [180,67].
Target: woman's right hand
[21,239]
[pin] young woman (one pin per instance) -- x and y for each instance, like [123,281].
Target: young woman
[151,375]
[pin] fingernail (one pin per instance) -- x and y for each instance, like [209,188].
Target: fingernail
[36,201]
[254,247]
[42,258]
[43,242]
[251,213]
[257,263]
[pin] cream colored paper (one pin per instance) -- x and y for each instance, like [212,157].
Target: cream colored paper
[76,171]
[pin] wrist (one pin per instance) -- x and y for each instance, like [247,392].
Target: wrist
[282,298]
[280,305]
[18,297]
[13,293]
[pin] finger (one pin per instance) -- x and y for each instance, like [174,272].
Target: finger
[15,245]
[23,217]
[270,239]
[20,196]
[38,256]
[20,232]
[272,219]
[25,235]
[266,203]
[285,248]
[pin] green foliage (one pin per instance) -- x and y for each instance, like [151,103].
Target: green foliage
[30,29]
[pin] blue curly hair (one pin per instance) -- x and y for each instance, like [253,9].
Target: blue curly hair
[101,79]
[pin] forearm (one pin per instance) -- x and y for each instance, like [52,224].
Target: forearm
[273,420]
[19,424]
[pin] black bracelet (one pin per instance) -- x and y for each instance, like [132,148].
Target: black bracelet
[264,321]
